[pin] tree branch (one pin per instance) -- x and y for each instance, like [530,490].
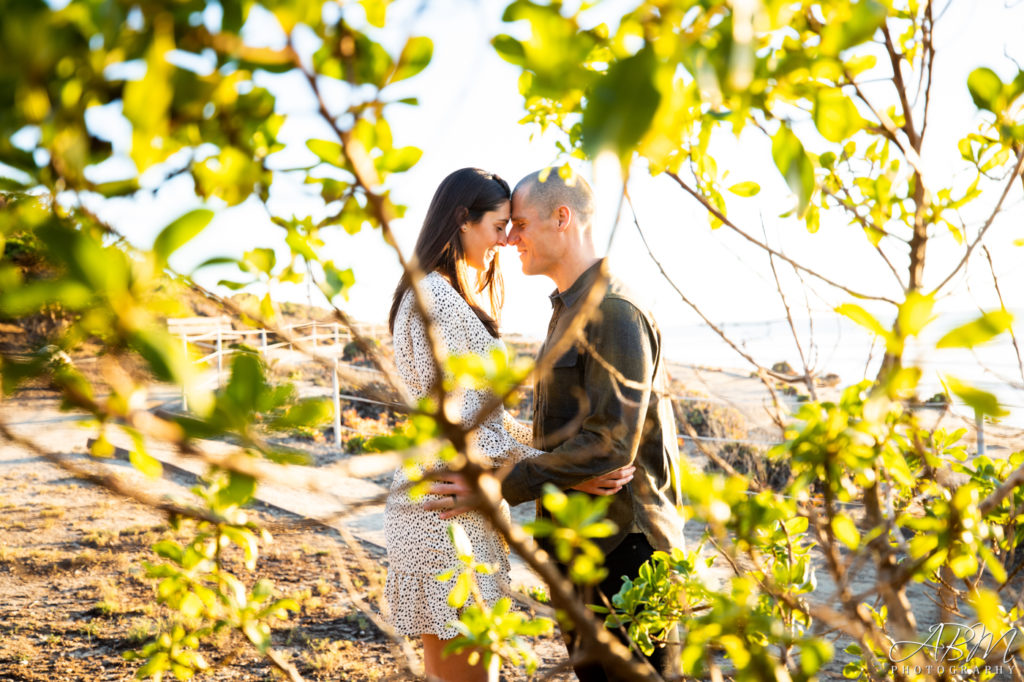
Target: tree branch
[987,224]
[732,226]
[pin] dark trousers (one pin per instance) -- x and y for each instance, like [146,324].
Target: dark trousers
[624,560]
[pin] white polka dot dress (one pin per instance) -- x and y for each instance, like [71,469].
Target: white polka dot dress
[417,540]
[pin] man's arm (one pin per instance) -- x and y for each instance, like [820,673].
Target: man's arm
[615,411]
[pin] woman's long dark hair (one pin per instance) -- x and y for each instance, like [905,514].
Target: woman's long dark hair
[464,196]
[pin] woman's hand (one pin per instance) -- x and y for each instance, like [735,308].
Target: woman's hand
[456,496]
[609,483]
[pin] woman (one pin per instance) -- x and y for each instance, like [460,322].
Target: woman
[462,231]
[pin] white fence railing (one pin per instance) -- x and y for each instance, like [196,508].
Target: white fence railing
[329,340]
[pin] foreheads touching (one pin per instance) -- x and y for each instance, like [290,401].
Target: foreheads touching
[546,190]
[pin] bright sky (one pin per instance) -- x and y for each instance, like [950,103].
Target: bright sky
[469,113]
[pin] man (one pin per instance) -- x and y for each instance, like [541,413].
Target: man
[604,405]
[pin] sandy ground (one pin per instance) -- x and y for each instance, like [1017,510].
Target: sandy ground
[72,599]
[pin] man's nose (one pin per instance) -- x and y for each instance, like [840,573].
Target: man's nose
[513,237]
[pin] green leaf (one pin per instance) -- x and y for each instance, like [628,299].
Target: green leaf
[166,357]
[846,531]
[337,281]
[607,123]
[963,565]
[509,49]
[795,166]
[984,403]
[835,115]
[861,22]
[260,259]
[307,412]
[989,609]
[985,88]
[415,57]
[915,312]
[460,592]
[191,605]
[399,160]
[327,151]
[977,332]
[238,491]
[745,189]
[179,232]
[257,633]
[863,318]
[146,463]
[460,541]
[376,12]
[102,447]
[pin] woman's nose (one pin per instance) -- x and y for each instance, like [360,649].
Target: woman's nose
[502,239]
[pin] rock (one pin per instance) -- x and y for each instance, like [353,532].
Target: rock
[783,368]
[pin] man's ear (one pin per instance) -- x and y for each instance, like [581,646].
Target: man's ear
[564,216]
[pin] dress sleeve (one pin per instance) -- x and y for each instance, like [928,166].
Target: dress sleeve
[500,439]
[517,429]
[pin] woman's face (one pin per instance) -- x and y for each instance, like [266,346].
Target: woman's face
[480,240]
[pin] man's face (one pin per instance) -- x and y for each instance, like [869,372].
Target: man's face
[534,235]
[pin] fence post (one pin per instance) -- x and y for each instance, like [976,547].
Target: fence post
[337,405]
[336,335]
[263,337]
[220,357]
[184,393]
[979,423]
[314,333]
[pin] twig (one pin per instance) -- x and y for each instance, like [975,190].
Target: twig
[808,379]
[109,482]
[1002,304]
[851,209]
[399,644]
[732,226]
[761,371]
[987,224]
[901,90]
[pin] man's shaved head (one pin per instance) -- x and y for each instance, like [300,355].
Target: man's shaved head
[547,190]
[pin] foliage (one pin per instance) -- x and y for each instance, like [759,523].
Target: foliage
[203,595]
[870,485]
[491,633]
[190,82]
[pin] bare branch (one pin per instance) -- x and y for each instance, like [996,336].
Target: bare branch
[362,170]
[988,222]
[732,226]
[928,57]
[762,372]
[808,379]
[895,60]
[867,225]
[109,482]
[1002,304]
[890,129]
[399,645]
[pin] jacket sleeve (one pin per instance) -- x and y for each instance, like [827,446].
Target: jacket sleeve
[617,385]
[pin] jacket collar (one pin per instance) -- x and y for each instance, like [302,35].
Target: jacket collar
[579,288]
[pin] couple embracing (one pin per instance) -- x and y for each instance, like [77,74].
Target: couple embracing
[602,424]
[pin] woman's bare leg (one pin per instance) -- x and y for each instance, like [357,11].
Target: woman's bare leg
[454,667]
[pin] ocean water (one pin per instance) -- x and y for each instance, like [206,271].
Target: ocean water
[837,345]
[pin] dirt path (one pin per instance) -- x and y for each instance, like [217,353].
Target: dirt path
[74,598]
